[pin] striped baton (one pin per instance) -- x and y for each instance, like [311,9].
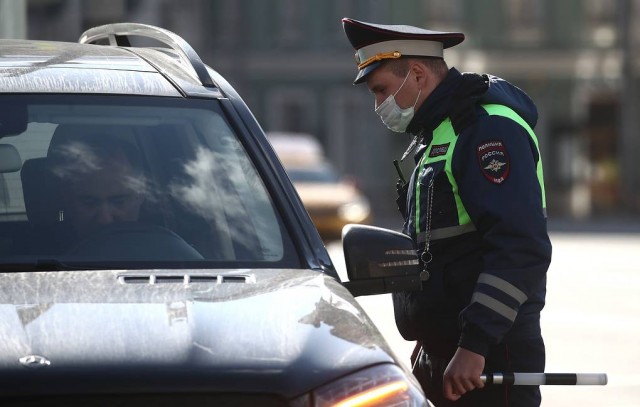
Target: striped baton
[541,379]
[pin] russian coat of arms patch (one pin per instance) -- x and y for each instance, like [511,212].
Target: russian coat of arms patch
[494,161]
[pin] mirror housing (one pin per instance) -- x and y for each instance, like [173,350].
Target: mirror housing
[379,261]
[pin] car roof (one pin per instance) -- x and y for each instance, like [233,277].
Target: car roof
[174,70]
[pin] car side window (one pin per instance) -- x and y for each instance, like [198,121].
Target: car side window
[34,146]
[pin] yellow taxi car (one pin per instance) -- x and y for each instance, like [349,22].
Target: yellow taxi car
[331,200]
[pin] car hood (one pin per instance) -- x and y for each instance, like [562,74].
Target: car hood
[275,331]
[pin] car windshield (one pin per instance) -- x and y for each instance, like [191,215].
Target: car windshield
[131,182]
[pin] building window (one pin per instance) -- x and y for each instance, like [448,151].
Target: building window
[443,15]
[342,9]
[292,110]
[291,15]
[601,19]
[228,31]
[525,21]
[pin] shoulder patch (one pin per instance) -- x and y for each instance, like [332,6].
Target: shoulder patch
[439,149]
[493,160]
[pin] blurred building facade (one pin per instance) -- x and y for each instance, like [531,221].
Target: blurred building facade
[292,64]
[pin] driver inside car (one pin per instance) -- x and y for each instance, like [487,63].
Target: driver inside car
[101,182]
[102,189]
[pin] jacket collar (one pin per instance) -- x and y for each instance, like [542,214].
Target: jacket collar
[431,113]
[436,107]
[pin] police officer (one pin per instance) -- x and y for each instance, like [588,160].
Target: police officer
[475,207]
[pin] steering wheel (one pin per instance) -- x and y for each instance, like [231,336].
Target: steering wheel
[133,241]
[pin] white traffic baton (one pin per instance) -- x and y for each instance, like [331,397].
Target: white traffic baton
[541,379]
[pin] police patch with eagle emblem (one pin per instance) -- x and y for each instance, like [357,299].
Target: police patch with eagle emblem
[494,161]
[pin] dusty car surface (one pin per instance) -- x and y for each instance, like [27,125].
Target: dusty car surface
[332,199]
[154,252]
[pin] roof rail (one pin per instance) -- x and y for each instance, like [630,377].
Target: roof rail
[118,35]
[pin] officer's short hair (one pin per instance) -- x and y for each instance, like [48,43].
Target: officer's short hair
[400,67]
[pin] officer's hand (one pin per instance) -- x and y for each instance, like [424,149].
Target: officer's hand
[401,200]
[463,374]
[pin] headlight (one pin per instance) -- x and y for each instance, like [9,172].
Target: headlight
[380,386]
[354,212]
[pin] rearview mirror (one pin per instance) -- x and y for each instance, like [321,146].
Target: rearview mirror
[379,261]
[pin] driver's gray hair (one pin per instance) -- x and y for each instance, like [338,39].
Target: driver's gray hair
[89,153]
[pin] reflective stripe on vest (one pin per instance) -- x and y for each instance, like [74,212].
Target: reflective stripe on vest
[444,134]
[500,110]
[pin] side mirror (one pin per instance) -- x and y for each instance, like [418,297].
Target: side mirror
[379,261]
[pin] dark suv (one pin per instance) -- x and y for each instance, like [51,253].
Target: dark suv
[154,252]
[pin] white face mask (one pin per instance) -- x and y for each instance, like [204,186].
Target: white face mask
[392,115]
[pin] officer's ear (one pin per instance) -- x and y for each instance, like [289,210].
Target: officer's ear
[426,78]
[419,72]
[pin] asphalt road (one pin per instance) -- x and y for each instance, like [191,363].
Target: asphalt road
[591,322]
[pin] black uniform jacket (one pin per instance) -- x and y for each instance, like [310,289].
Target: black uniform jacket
[509,252]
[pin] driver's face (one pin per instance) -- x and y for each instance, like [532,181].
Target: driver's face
[104,196]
